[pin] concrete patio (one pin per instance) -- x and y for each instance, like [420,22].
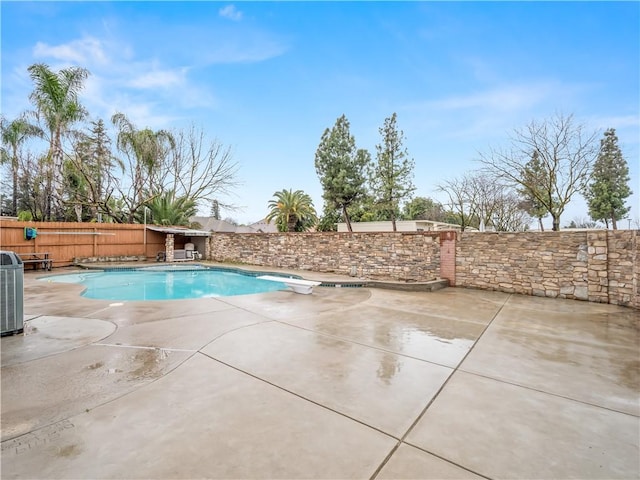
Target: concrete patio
[344,383]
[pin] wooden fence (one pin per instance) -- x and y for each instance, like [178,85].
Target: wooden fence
[66,241]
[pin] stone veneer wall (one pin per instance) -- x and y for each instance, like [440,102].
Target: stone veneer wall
[168,247]
[597,265]
[413,256]
[623,257]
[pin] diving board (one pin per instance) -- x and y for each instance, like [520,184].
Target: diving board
[298,285]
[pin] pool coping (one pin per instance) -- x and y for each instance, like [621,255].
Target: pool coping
[428,286]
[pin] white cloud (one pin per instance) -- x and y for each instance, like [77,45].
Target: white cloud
[230,12]
[143,88]
[619,122]
[65,53]
[146,104]
[247,53]
[103,98]
[159,79]
[86,51]
[17,86]
[142,114]
[516,97]
[489,115]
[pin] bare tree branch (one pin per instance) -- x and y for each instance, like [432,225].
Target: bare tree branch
[550,161]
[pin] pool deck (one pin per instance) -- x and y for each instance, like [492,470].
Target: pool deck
[345,383]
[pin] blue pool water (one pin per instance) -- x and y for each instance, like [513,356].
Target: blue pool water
[163,284]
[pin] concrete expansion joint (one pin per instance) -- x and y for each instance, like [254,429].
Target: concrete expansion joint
[538,390]
[386,460]
[454,370]
[302,397]
[401,442]
[231,331]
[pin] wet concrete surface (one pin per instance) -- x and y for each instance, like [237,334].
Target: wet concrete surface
[343,383]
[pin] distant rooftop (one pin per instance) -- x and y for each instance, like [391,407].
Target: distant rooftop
[211,224]
[401,226]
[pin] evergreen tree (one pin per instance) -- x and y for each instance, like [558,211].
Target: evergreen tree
[609,187]
[392,174]
[533,174]
[215,209]
[424,208]
[328,221]
[340,167]
[92,164]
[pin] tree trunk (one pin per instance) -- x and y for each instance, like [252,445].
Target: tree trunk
[14,193]
[48,199]
[291,223]
[78,210]
[57,178]
[346,218]
[556,223]
[614,224]
[393,221]
[541,224]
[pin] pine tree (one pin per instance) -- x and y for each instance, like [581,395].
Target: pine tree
[340,167]
[90,173]
[215,209]
[609,187]
[392,174]
[532,174]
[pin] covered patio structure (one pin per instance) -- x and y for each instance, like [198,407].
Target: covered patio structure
[182,244]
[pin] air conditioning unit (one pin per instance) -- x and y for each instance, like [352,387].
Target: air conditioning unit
[11,293]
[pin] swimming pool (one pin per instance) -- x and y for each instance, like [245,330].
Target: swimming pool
[166,283]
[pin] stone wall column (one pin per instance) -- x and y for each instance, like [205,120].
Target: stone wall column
[448,256]
[207,248]
[635,270]
[597,266]
[168,247]
[623,267]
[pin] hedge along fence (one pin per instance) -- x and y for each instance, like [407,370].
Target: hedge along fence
[67,241]
[397,256]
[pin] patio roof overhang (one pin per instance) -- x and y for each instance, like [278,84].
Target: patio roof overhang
[187,232]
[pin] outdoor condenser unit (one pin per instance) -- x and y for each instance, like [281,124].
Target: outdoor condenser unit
[11,293]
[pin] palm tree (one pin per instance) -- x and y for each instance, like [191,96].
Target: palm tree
[167,209]
[292,211]
[147,148]
[55,97]
[14,134]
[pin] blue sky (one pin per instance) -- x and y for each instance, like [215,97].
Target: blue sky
[267,78]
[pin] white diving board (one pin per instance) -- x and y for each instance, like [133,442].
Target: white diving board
[304,287]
